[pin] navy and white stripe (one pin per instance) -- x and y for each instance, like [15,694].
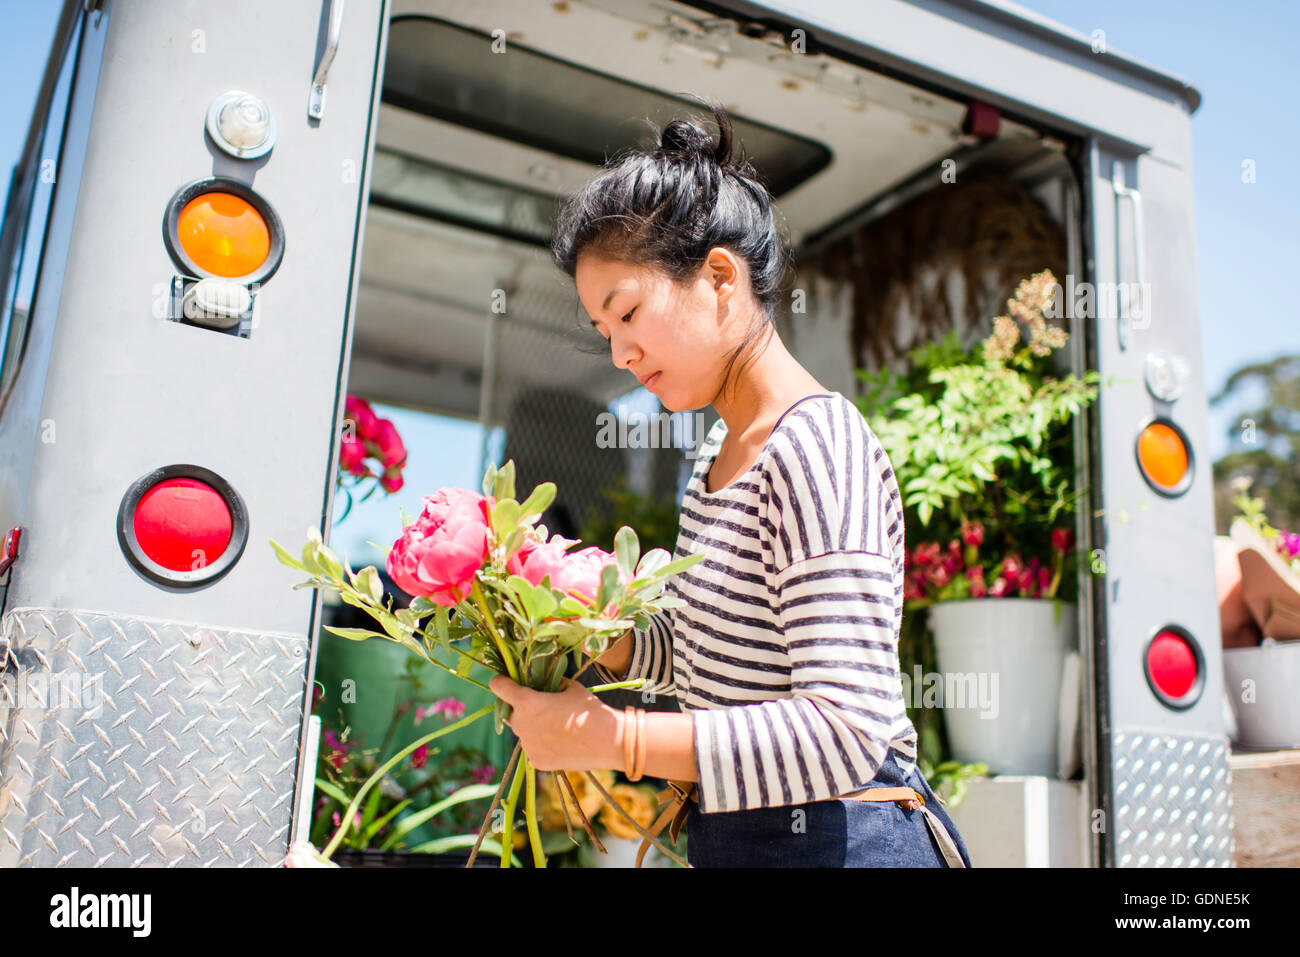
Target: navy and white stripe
[787,649]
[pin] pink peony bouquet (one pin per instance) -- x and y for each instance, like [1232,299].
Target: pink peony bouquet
[492,588]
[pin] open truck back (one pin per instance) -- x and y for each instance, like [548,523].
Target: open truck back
[416,151]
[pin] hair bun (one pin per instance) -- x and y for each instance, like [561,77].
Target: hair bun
[685,139]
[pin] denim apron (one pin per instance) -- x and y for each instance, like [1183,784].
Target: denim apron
[834,833]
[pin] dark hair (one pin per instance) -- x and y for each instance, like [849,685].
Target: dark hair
[668,207]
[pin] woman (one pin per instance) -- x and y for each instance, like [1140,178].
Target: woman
[785,656]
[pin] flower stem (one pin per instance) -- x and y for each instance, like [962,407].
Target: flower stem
[530,815]
[508,828]
[507,658]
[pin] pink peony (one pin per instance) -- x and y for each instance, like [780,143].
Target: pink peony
[972,533]
[351,456]
[535,560]
[1011,568]
[391,450]
[439,553]
[359,411]
[579,573]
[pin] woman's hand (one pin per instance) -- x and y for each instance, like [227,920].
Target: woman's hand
[566,730]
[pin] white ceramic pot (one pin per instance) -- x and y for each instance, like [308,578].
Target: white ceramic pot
[1007,656]
[1263,684]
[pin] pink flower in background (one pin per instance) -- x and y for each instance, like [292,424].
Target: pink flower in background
[420,756]
[389,444]
[332,740]
[1000,588]
[1044,578]
[1028,578]
[439,553]
[954,560]
[1012,565]
[926,554]
[1287,544]
[972,533]
[371,437]
[449,708]
[484,774]
[1062,539]
[362,416]
[352,454]
[938,574]
[978,587]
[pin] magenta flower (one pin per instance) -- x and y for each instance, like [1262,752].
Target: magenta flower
[420,756]
[484,774]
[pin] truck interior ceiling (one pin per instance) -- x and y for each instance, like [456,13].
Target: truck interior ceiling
[911,213]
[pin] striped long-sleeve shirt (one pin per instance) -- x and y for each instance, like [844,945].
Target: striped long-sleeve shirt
[786,653]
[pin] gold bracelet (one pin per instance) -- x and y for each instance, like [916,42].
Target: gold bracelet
[629,737]
[638,769]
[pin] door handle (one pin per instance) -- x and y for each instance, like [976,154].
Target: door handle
[316,100]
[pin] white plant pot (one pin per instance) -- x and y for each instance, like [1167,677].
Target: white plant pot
[1263,684]
[1012,651]
[622,852]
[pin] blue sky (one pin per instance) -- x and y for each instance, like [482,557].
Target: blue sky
[1241,58]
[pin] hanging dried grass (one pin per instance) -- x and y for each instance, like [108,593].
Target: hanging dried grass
[986,229]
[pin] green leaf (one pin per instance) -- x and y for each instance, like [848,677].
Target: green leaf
[369,583]
[332,790]
[443,844]
[540,500]
[653,561]
[378,825]
[472,792]
[627,549]
[680,565]
[331,562]
[284,556]
[354,634]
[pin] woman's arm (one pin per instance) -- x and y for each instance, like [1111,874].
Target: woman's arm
[573,730]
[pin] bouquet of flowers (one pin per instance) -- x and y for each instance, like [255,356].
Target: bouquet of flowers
[491,588]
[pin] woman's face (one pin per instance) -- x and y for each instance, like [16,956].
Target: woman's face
[653,325]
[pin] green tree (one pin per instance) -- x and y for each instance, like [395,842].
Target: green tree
[1264,440]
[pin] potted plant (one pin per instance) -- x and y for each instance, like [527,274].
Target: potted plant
[1262,677]
[980,445]
[424,811]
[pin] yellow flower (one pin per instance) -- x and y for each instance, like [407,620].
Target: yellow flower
[638,802]
[550,814]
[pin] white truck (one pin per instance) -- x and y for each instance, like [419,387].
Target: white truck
[229,215]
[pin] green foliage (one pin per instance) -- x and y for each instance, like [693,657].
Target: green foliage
[979,439]
[654,517]
[1264,437]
